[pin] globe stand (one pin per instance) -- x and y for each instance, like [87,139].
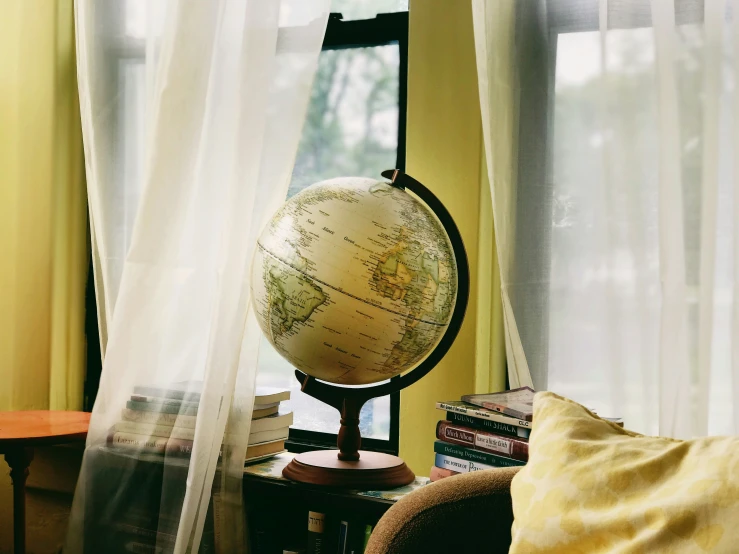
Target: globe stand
[348,467]
[352,468]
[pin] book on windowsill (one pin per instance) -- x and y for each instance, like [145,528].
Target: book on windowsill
[160,420]
[518,403]
[189,391]
[184,397]
[180,447]
[259,431]
[510,424]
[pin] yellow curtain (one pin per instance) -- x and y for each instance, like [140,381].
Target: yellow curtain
[444,150]
[43,215]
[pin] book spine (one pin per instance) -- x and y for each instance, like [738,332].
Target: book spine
[267,412]
[488,425]
[482,414]
[153,445]
[367,534]
[438,473]
[459,465]
[482,440]
[218,523]
[179,395]
[161,408]
[465,453]
[343,537]
[270,423]
[156,418]
[164,401]
[316,524]
[155,430]
[268,436]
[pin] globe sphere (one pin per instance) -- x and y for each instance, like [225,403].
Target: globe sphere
[354,281]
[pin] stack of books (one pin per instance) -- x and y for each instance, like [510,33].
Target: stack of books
[483,431]
[325,535]
[158,420]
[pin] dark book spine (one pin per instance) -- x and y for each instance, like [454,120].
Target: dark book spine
[158,407]
[343,538]
[482,440]
[316,526]
[488,425]
[464,453]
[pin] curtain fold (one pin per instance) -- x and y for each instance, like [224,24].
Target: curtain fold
[192,112]
[43,229]
[609,132]
[494,27]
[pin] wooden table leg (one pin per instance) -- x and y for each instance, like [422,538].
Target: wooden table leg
[19,459]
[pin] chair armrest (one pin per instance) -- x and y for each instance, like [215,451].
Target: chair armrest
[465,513]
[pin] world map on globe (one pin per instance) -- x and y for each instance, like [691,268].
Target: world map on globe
[354,281]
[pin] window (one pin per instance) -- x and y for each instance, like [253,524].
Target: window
[355,126]
[588,196]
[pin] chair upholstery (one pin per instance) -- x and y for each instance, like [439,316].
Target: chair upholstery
[465,513]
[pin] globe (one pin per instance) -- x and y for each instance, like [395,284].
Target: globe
[354,281]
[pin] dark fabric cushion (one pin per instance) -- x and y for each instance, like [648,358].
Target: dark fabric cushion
[465,513]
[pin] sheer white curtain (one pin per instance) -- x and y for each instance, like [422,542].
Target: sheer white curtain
[192,112]
[611,140]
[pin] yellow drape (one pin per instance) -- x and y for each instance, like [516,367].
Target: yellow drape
[43,244]
[445,152]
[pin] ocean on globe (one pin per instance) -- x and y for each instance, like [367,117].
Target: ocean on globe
[354,281]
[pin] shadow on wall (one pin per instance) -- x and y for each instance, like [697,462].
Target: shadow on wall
[49,493]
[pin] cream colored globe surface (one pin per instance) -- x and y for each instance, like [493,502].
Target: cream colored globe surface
[354,281]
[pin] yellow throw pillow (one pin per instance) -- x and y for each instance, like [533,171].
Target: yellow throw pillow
[591,486]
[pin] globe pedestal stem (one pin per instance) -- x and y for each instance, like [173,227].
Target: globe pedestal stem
[350,439]
[348,467]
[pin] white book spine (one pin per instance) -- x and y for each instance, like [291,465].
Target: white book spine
[459,465]
[483,414]
[156,418]
[155,430]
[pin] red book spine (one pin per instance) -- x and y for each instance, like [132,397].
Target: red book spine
[483,440]
[440,472]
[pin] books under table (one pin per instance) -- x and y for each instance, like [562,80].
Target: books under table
[324,527]
[158,420]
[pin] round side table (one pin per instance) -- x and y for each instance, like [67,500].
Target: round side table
[20,432]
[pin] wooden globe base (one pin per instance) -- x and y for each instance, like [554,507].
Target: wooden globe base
[373,470]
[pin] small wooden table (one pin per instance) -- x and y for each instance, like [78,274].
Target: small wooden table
[20,432]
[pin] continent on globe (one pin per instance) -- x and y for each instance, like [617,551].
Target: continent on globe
[292,297]
[354,281]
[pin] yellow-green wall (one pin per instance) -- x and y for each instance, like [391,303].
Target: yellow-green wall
[43,215]
[444,151]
